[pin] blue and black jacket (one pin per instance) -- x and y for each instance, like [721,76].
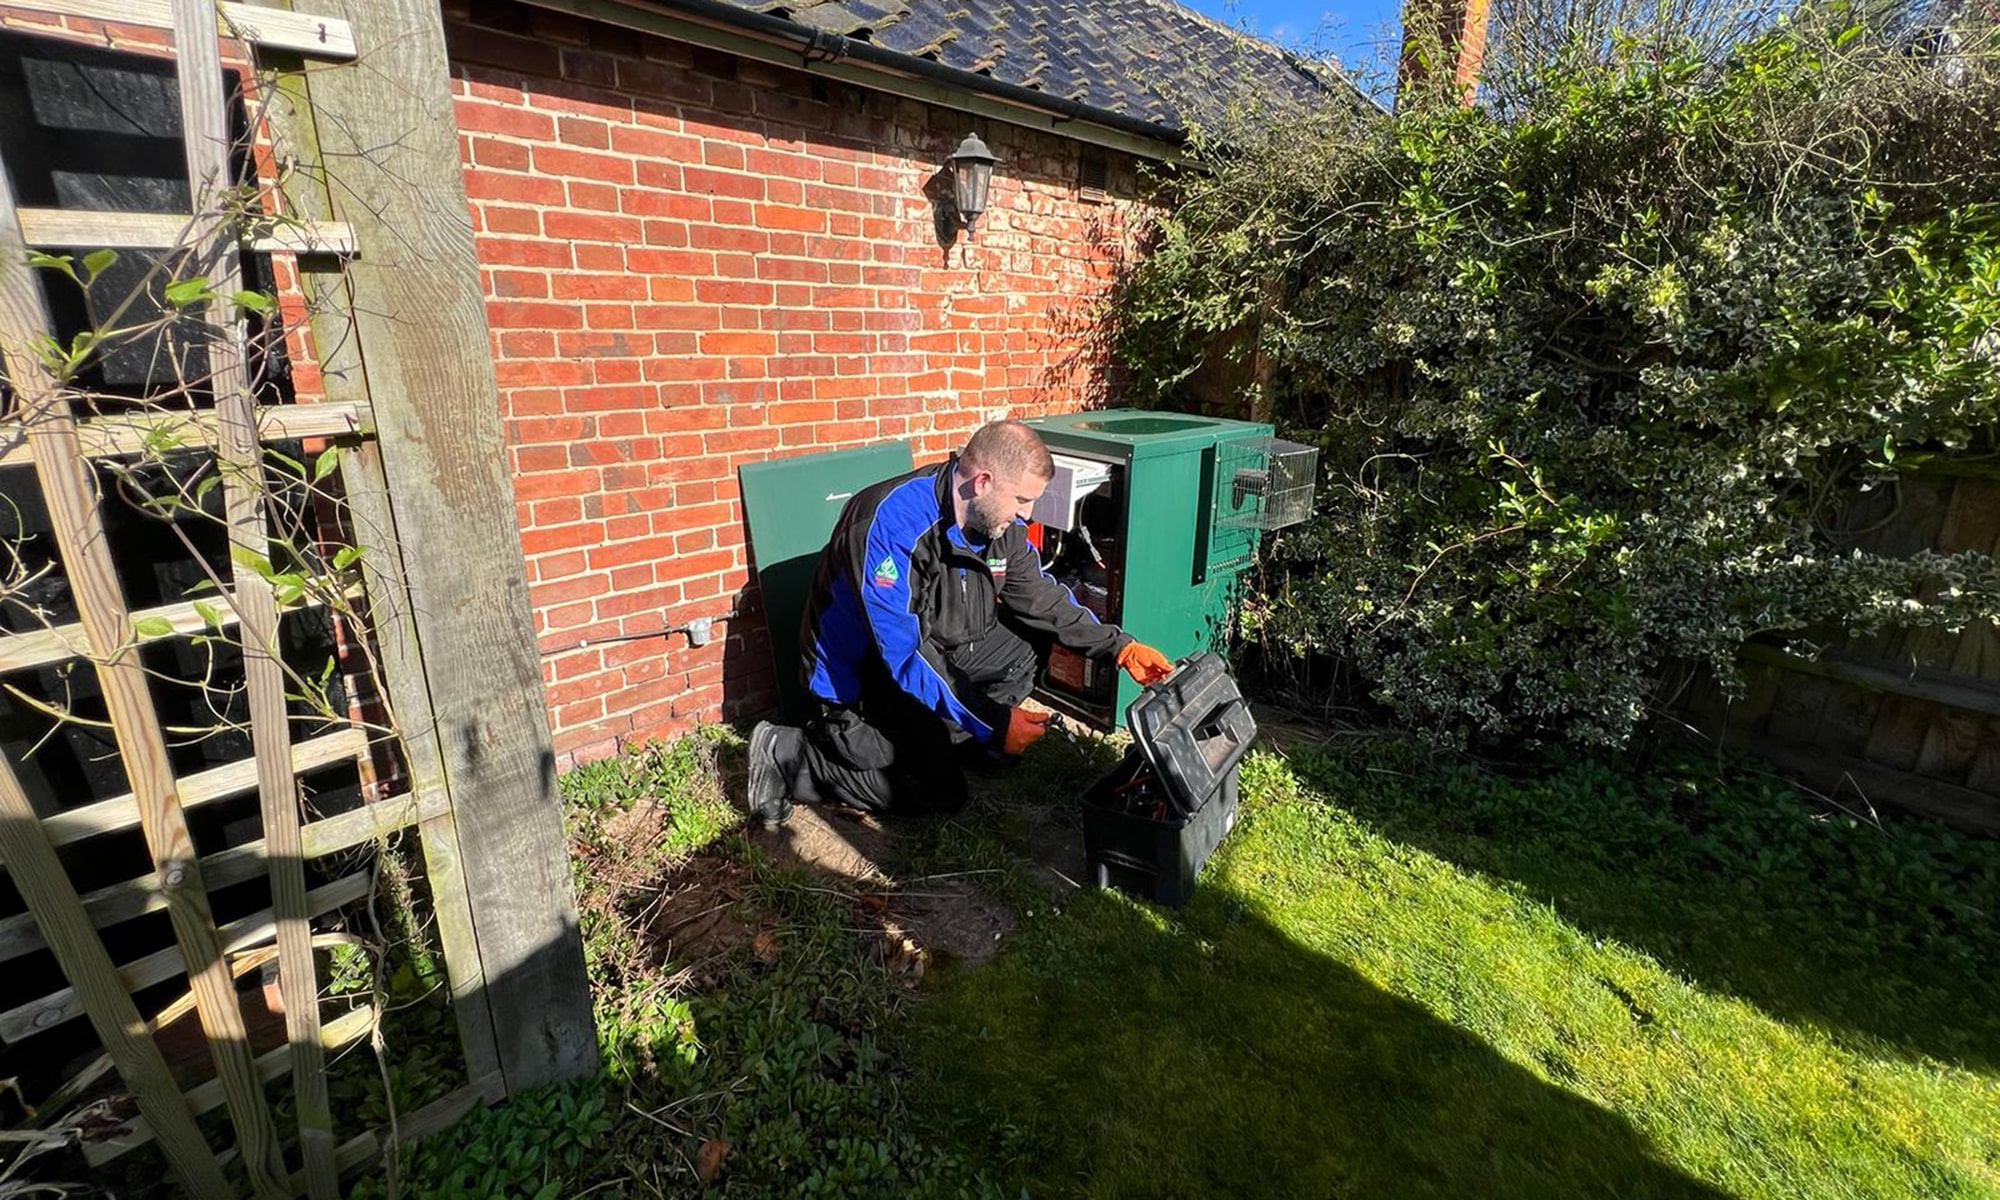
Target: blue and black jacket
[900,586]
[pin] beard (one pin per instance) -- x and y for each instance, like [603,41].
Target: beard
[987,519]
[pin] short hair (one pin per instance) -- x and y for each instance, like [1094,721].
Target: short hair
[1008,448]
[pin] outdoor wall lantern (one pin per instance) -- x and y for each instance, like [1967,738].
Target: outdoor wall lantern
[972,175]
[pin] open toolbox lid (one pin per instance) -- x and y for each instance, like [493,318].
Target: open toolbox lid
[1193,728]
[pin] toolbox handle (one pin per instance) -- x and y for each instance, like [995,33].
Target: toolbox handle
[1161,683]
[1215,725]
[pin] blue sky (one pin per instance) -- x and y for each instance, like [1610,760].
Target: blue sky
[1350,29]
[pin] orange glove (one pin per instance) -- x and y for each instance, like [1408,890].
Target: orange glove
[1023,727]
[1143,663]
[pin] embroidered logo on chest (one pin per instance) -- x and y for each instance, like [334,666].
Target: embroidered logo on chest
[998,566]
[886,574]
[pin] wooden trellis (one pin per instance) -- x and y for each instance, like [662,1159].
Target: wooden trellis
[376,220]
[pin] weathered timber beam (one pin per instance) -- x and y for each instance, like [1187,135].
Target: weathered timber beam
[61,227]
[134,433]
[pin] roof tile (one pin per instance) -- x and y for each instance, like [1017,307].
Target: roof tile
[1150,59]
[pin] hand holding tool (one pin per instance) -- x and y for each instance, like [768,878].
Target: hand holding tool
[1023,727]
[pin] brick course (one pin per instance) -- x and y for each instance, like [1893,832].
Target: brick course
[694,261]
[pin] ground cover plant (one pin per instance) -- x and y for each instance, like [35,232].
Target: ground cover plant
[1597,368]
[741,1005]
[1405,975]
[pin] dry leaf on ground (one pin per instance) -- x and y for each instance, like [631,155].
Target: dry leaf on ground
[708,1159]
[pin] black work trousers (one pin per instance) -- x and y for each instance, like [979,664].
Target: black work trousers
[890,753]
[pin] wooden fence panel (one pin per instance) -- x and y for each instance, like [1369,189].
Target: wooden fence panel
[1952,741]
[1905,717]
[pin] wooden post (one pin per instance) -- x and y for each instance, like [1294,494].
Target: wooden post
[336,345]
[205,140]
[387,136]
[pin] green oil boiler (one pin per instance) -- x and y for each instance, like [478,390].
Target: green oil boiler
[1150,521]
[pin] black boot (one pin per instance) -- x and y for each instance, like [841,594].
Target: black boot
[774,763]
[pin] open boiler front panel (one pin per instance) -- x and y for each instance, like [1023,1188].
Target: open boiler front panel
[1150,521]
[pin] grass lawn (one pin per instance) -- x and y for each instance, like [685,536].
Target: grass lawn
[1402,976]
[1411,978]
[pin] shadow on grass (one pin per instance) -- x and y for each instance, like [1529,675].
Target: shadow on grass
[1123,1052]
[1882,937]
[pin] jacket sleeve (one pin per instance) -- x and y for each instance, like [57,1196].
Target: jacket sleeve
[884,582]
[1036,600]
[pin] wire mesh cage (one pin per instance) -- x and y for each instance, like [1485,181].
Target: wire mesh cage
[1264,483]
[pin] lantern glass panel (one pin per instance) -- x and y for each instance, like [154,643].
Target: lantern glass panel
[974,178]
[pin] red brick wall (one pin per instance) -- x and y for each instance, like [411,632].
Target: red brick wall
[694,261]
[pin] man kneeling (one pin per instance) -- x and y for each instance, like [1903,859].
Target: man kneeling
[929,616]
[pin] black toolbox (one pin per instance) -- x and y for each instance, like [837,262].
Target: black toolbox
[1151,823]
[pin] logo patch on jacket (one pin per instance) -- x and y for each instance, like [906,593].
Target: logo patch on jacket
[886,573]
[999,568]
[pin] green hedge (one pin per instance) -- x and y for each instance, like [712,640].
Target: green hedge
[1595,382]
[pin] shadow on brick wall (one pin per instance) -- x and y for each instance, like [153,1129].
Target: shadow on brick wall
[749,676]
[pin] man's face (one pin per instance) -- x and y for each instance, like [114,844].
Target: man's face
[997,500]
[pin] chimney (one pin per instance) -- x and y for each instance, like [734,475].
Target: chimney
[1443,33]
